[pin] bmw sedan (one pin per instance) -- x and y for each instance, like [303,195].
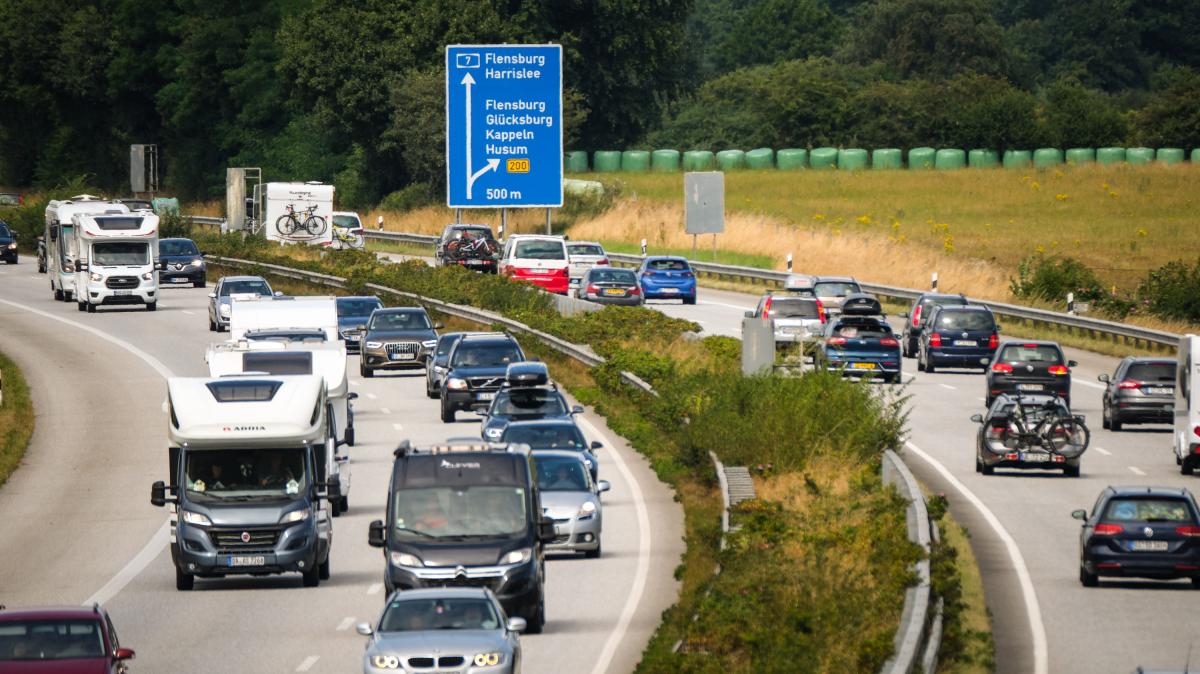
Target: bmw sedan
[220,300]
[444,629]
[1140,532]
[572,500]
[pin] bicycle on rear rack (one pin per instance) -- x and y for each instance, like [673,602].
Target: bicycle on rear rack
[305,224]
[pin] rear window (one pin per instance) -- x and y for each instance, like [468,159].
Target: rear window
[540,250]
[357,307]
[613,276]
[835,288]
[1155,372]
[667,265]
[964,320]
[585,249]
[470,233]
[862,330]
[346,222]
[539,402]
[1031,353]
[1148,510]
[487,355]
[794,308]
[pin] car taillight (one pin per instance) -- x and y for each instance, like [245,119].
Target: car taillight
[1058,369]
[1129,384]
[935,339]
[836,341]
[561,272]
[993,341]
[687,274]
[888,341]
[1002,368]
[1189,530]
[593,290]
[603,261]
[635,291]
[767,306]
[917,315]
[1196,430]
[821,312]
[1108,529]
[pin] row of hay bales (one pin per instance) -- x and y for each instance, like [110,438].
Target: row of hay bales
[855,159]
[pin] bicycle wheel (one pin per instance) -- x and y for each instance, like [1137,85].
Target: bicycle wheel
[315,225]
[356,241]
[286,224]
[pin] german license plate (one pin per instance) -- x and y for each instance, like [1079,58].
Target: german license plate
[253,560]
[487,395]
[670,291]
[474,262]
[613,291]
[1035,457]
[180,279]
[122,293]
[862,366]
[965,342]
[403,356]
[1148,546]
[1029,387]
[1159,390]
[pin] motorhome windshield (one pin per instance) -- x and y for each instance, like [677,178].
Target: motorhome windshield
[246,474]
[66,244]
[120,253]
[459,512]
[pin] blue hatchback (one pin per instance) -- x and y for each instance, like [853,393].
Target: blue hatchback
[663,277]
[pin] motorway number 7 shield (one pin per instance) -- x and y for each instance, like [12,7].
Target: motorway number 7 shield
[504,142]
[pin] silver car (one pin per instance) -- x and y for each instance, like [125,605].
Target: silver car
[582,256]
[444,629]
[796,318]
[220,299]
[833,290]
[572,500]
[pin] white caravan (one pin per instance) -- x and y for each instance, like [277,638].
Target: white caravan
[116,260]
[1187,405]
[256,314]
[60,241]
[277,357]
[298,213]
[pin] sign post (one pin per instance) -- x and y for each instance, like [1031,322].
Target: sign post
[504,145]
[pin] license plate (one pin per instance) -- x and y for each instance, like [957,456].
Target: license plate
[489,395]
[670,291]
[613,291]
[1029,387]
[965,342]
[122,293]
[1035,457]
[1148,546]
[1159,390]
[862,366]
[474,262]
[403,356]
[180,279]
[255,560]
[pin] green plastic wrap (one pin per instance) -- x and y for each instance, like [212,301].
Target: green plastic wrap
[1081,155]
[979,158]
[823,158]
[1110,155]
[1016,159]
[1046,157]
[664,161]
[852,159]
[577,162]
[698,160]
[921,158]
[1170,155]
[731,160]
[760,158]
[791,159]
[1139,155]
[606,161]
[887,158]
[635,161]
[949,159]
[1196,156]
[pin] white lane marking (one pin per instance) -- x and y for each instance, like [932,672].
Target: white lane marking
[385,410]
[1089,383]
[372,396]
[355,382]
[617,636]
[1036,627]
[398,427]
[1103,451]
[728,306]
[1137,471]
[375,588]
[947,386]
[308,663]
[346,623]
[158,540]
[189,313]
[983,399]
[907,376]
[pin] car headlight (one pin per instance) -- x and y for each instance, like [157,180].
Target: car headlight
[374,345]
[456,384]
[224,309]
[198,262]
[385,661]
[196,519]
[494,433]
[488,659]
[294,516]
[12,246]
[518,556]
[96,277]
[587,509]
[148,276]
[429,344]
[588,463]
[405,559]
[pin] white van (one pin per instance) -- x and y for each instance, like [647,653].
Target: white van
[252,313]
[1187,405]
[117,260]
[538,259]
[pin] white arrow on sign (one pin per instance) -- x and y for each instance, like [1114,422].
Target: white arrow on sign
[492,164]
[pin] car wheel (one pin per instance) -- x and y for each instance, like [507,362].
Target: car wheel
[1070,471]
[200,284]
[90,308]
[447,413]
[1114,422]
[184,581]
[335,507]
[323,570]
[366,371]
[978,465]
[1088,579]
[1196,583]
[1186,467]
[312,577]
[221,328]
[920,361]
[537,621]
[212,327]
[986,469]
[151,306]
[1104,417]
[891,378]
[929,366]
[431,392]
[593,554]
[58,295]
[689,300]
[344,503]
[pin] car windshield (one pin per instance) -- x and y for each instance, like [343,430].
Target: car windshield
[793,308]
[528,402]
[1152,372]
[441,512]
[4,231]
[50,640]
[557,436]
[585,249]
[964,320]
[9,199]
[177,247]
[353,306]
[248,287]
[296,335]
[445,343]
[540,250]
[560,473]
[346,222]
[667,265]
[1031,353]
[450,613]
[612,276]
[486,355]
[400,320]
[246,474]
[1147,510]
[862,330]
[835,288]
[118,253]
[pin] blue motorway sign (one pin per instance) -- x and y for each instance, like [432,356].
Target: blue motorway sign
[504,126]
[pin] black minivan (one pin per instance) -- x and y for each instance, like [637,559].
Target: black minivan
[467,514]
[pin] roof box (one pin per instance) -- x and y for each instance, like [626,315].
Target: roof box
[861,304]
[528,373]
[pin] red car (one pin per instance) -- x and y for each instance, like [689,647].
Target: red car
[66,640]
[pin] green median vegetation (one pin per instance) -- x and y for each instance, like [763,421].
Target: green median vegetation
[815,578]
[16,418]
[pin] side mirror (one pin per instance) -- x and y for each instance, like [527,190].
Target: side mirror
[546,529]
[439,326]
[278,293]
[749,314]
[81,265]
[516,624]
[364,629]
[577,409]
[123,654]
[352,396]
[202,253]
[1080,419]
[160,265]
[999,328]
[597,445]
[1071,363]
[977,418]
[1104,378]
[375,534]
[1080,515]
[212,296]
[158,494]
[603,485]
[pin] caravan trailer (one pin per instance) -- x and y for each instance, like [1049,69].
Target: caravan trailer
[1187,405]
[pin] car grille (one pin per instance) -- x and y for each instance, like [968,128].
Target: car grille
[396,348]
[485,383]
[444,661]
[121,282]
[492,583]
[255,540]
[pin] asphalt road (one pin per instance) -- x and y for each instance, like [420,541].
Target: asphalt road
[76,524]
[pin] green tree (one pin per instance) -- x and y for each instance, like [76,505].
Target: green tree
[1077,116]
[770,31]
[1171,118]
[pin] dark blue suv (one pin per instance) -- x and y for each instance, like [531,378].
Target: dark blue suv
[1140,532]
[958,336]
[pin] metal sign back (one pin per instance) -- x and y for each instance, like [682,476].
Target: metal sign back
[704,202]
[137,168]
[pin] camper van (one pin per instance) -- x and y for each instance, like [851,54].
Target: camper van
[298,213]
[252,314]
[60,241]
[287,357]
[116,260]
[1187,405]
[247,483]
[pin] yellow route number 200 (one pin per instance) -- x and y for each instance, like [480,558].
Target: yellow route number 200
[518,165]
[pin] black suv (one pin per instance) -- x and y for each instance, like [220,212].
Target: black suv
[476,370]
[917,315]
[1140,391]
[470,246]
[8,244]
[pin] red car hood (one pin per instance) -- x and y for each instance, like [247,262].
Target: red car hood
[72,666]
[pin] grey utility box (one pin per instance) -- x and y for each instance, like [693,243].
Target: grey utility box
[758,346]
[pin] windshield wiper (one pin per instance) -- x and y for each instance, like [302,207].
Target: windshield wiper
[414,531]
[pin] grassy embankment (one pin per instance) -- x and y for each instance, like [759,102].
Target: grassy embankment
[16,418]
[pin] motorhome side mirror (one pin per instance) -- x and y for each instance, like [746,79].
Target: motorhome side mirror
[596,444]
[375,534]
[1080,515]
[977,418]
[603,485]
[546,529]
[352,396]
[577,409]
[81,265]
[1104,378]
[158,494]
[516,624]
[364,629]
[1071,363]
[123,654]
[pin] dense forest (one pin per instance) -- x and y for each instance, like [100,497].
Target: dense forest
[351,90]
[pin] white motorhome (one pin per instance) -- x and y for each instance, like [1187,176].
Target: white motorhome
[1187,404]
[278,357]
[116,259]
[298,213]
[255,314]
[247,480]
[60,241]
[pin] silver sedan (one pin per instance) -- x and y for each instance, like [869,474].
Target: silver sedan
[219,300]
[572,500]
[460,629]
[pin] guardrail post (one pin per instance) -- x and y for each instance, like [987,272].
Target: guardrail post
[933,282]
[789,263]
[643,248]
